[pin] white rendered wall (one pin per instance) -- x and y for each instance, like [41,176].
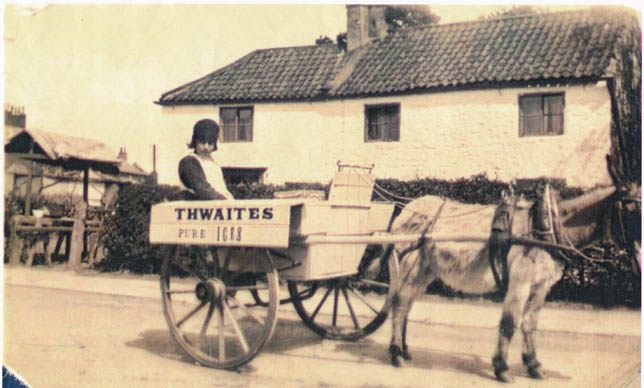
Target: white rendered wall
[442,135]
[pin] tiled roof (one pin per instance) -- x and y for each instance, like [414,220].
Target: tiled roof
[273,74]
[565,45]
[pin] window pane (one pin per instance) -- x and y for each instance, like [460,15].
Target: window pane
[245,124]
[374,131]
[553,104]
[227,115]
[228,123]
[237,124]
[531,105]
[245,115]
[533,125]
[244,132]
[555,124]
[542,114]
[383,123]
[374,126]
[390,124]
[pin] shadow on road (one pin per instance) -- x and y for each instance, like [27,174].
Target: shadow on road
[428,359]
[288,335]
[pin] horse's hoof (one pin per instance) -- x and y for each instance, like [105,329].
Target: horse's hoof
[397,361]
[397,356]
[504,376]
[405,355]
[537,373]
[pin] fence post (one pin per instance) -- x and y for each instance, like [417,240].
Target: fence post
[15,243]
[78,231]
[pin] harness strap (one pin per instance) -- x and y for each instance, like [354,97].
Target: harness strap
[423,235]
[419,244]
[499,245]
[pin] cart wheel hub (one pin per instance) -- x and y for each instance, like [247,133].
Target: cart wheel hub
[210,290]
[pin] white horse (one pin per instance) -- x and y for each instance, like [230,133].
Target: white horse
[528,274]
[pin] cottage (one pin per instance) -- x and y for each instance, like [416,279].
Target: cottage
[513,97]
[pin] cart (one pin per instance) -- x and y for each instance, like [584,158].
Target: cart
[230,264]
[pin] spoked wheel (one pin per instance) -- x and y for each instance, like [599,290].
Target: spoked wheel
[347,308]
[212,322]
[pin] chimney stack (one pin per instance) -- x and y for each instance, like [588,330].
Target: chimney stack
[15,116]
[364,23]
[122,154]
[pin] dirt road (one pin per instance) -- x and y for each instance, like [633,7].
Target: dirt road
[64,338]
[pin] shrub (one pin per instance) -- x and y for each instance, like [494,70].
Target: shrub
[126,231]
[610,281]
[476,189]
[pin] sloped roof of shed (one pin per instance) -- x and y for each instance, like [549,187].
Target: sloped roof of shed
[59,146]
[552,46]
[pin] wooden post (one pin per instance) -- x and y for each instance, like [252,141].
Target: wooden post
[15,242]
[86,185]
[78,232]
[30,176]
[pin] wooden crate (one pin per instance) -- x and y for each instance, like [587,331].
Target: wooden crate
[323,261]
[320,260]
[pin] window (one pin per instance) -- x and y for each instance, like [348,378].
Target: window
[541,114]
[382,122]
[236,124]
[248,175]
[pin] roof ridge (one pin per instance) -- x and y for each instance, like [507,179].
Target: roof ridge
[508,17]
[292,47]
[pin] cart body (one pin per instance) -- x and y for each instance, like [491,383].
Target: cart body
[256,244]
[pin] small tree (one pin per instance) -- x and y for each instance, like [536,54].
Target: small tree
[515,10]
[399,17]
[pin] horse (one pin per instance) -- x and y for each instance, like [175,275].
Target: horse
[528,271]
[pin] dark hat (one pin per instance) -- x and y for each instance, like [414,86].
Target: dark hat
[205,131]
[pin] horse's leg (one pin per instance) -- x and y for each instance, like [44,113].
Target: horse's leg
[413,281]
[518,292]
[405,350]
[552,272]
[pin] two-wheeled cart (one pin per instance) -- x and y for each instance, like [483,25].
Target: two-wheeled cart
[230,264]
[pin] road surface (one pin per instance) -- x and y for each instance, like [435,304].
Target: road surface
[57,337]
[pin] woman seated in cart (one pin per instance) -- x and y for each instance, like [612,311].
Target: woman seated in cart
[199,172]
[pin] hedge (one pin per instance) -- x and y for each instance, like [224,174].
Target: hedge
[607,282]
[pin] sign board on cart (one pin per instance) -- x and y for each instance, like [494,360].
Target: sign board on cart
[248,223]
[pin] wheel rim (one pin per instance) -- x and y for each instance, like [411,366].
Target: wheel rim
[212,322]
[345,308]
